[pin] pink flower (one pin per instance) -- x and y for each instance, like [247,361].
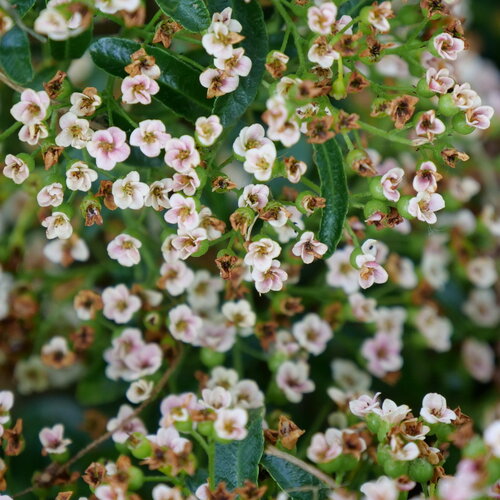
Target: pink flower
[123,426]
[181,154]
[208,129]
[428,126]
[125,249]
[321,19]
[370,271]
[169,437]
[189,242]
[322,53]
[176,408]
[424,205]
[479,117]
[106,491]
[217,336]
[391,412]
[325,447]
[448,47]
[270,279]
[53,440]
[130,192]
[236,64]
[230,424]
[492,437]
[6,404]
[364,405]
[75,132]
[182,212]
[434,409]
[254,196]
[32,108]
[383,354]
[144,361]
[390,182]
[120,304]
[312,333]
[293,379]
[218,82]
[138,89]
[439,81]
[308,248]
[108,147]
[219,39]
[184,324]
[261,253]
[426,178]
[151,137]
[33,134]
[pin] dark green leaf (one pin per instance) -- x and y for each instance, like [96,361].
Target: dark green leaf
[192,14]
[180,89]
[22,6]
[329,160]
[72,48]
[238,461]
[352,7]
[231,106]
[15,56]
[97,389]
[298,483]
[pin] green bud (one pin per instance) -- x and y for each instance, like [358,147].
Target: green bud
[376,188]
[206,428]
[420,470]
[204,246]
[402,206]
[374,206]
[135,478]
[423,89]
[339,90]
[139,445]
[354,254]
[395,468]
[152,321]
[211,358]
[184,426]
[447,106]
[460,124]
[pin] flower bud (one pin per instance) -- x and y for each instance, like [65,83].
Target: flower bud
[402,207]
[211,358]
[460,124]
[420,470]
[447,106]
[139,445]
[376,188]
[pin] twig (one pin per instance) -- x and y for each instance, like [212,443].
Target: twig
[272,450]
[14,86]
[104,437]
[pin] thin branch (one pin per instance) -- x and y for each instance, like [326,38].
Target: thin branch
[14,86]
[104,437]
[272,450]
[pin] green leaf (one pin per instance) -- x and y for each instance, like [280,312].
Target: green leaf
[22,6]
[97,389]
[15,56]
[352,7]
[238,461]
[180,89]
[72,48]
[231,106]
[298,483]
[192,14]
[330,162]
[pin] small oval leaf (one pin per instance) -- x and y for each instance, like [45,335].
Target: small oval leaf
[192,14]
[179,88]
[15,56]
[330,162]
[231,106]
[22,6]
[238,461]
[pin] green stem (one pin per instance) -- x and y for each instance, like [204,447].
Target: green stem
[237,357]
[201,441]
[154,20]
[383,133]
[10,130]
[295,33]
[211,465]
[310,184]
[351,233]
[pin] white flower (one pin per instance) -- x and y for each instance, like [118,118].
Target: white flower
[208,129]
[261,253]
[259,162]
[230,424]
[492,437]
[139,391]
[239,314]
[84,104]
[125,249]
[80,177]
[434,409]
[293,379]
[58,226]
[129,192]
[51,195]
[312,333]
[16,169]
[75,132]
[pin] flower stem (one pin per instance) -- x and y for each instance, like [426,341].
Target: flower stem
[10,130]
[386,135]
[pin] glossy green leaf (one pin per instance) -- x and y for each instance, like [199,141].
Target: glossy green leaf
[231,106]
[352,7]
[179,84]
[15,56]
[330,162]
[296,482]
[22,6]
[192,14]
[72,48]
[238,461]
